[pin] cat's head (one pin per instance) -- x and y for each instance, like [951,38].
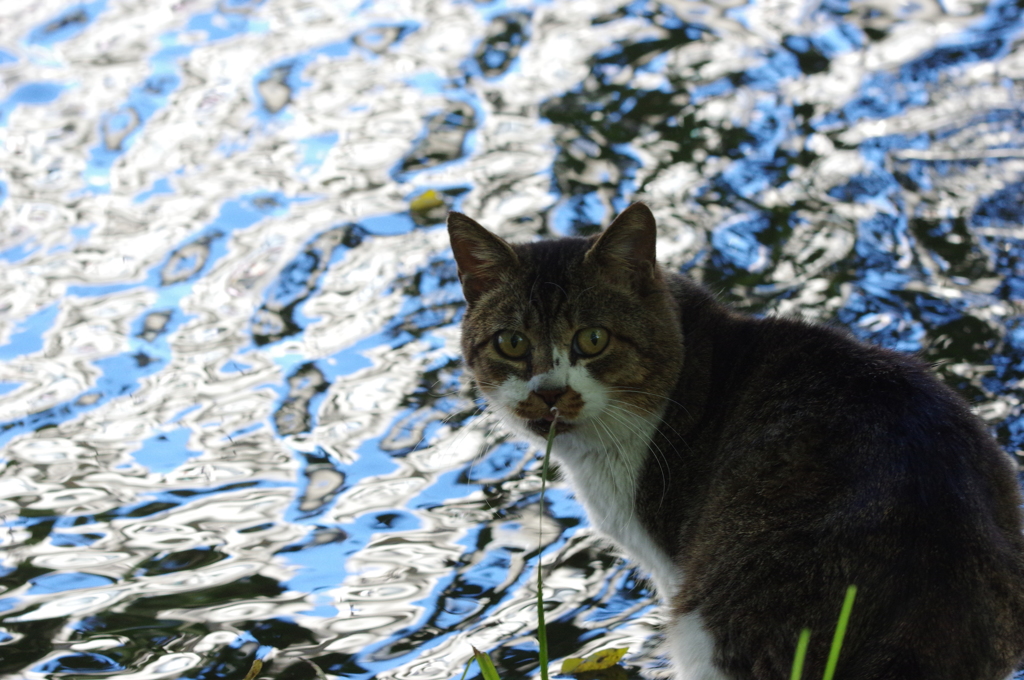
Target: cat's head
[587,325]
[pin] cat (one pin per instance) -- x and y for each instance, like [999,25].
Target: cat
[754,467]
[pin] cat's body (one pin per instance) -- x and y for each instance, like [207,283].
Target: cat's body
[754,467]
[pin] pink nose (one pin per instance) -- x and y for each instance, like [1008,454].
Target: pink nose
[550,397]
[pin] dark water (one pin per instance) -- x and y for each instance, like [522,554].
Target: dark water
[231,414]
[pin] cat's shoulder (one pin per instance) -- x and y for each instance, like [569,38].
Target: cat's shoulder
[812,362]
[833,351]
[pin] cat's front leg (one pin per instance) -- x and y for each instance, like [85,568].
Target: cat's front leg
[692,649]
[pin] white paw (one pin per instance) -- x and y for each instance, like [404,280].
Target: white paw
[692,649]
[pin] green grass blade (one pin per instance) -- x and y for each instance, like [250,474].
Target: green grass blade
[486,665]
[542,631]
[801,654]
[837,640]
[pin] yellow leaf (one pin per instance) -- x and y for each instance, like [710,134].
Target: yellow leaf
[570,664]
[598,661]
[428,200]
[254,670]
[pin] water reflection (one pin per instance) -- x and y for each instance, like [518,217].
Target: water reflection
[231,405]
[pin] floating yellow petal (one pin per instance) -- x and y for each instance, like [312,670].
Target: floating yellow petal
[428,200]
[598,661]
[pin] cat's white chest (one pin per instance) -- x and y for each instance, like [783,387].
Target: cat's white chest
[604,473]
[603,462]
[603,456]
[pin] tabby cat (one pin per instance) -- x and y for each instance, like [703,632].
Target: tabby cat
[754,467]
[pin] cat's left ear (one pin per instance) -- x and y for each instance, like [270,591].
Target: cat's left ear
[481,256]
[627,245]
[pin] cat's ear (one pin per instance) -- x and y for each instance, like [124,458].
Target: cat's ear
[480,255]
[627,245]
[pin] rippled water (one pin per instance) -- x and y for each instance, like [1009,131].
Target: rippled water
[231,409]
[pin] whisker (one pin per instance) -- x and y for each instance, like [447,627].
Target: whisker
[600,438]
[618,402]
[652,394]
[464,431]
[612,403]
[431,392]
[499,421]
[617,441]
[659,456]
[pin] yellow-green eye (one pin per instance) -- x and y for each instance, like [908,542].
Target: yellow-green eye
[590,341]
[512,344]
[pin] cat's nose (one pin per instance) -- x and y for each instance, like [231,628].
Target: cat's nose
[550,397]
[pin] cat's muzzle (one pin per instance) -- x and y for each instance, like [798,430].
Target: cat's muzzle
[541,426]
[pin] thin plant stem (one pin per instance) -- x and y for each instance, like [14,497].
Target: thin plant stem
[837,641]
[801,654]
[542,632]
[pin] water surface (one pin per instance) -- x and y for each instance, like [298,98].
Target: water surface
[232,414]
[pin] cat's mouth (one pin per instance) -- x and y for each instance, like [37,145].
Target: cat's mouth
[542,426]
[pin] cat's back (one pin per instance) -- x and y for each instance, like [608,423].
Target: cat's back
[865,410]
[788,378]
[791,401]
[806,461]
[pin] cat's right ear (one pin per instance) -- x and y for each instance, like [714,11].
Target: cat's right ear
[480,255]
[626,248]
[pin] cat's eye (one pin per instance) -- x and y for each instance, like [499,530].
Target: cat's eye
[590,341]
[512,344]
